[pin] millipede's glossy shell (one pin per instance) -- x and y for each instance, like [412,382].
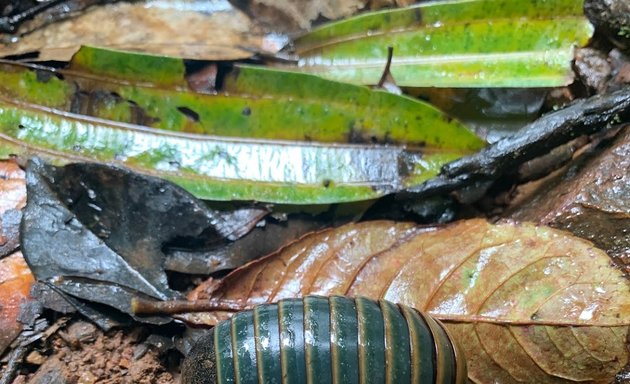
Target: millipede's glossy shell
[326,340]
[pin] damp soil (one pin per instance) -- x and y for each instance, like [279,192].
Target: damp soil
[81,353]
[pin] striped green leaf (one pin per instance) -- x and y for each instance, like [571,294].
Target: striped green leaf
[255,102]
[457,43]
[218,168]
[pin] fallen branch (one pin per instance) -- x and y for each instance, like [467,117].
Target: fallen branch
[582,117]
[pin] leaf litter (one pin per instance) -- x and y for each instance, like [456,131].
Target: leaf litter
[124,219]
[485,337]
[517,296]
[152,26]
[253,102]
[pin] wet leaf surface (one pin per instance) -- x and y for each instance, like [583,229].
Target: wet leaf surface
[255,103]
[252,102]
[15,284]
[589,199]
[528,303]
[531,304]
[97,233]
[221,168]
[452,44]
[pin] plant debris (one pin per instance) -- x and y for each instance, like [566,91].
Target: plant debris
[15,285]
[124,220]
[513,294]
[582,117]
[590,199]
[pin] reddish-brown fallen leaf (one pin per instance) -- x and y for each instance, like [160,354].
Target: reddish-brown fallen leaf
[15,285]
[528,303]
[12,200]
[12,187]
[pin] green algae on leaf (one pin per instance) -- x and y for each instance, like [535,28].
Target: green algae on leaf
[156,70]
[461,43]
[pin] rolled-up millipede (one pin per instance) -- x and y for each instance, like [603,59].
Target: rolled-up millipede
[332,340]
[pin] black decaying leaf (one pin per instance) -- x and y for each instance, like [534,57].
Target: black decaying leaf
[96,233]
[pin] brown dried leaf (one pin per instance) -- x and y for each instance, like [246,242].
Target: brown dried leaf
[15,285]
[299,15]
[291,14]
[168,28]
[12,187]
[528,303]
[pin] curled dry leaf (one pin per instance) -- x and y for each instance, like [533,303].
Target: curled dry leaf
[15,284]
[528,303]
[179,28]
[292,15]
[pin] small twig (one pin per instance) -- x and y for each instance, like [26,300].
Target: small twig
[386,73]
[153,307]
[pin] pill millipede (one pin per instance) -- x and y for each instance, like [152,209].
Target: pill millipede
[331,340]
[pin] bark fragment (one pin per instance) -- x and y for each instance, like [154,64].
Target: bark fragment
[590,199]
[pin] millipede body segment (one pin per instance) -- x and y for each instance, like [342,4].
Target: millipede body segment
[326,340]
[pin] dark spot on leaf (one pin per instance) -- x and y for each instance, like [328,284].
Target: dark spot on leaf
[226,73]
[23,56]
[189,113]
[406,164]
[43,76]
[326,183]
[418,16]
[21,126]
[247,111]
[354,136]
[117,96]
